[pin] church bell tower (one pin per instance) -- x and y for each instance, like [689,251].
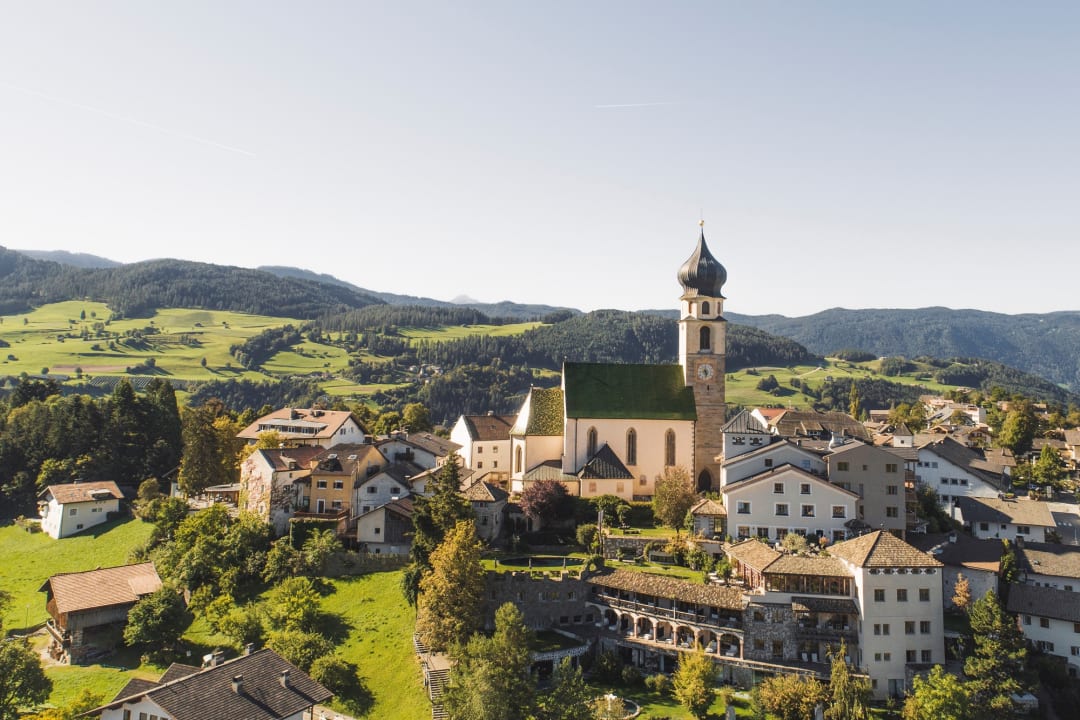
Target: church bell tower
[702,354]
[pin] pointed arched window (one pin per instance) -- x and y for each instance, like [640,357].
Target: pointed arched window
[631,447]
[705,339]
[517,460]
[669,448]
[591,450]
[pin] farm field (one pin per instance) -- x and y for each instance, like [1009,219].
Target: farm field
[455,332]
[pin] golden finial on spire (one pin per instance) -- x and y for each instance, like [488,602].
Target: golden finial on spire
[701,223]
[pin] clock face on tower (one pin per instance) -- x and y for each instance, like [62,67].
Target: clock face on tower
[705,371]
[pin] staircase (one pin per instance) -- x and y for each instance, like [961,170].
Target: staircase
[435,680]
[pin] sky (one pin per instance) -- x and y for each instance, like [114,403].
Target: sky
[842,154]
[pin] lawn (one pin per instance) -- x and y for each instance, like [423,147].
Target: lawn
[456,332]
[28,559]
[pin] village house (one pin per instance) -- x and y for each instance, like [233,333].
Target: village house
[88,610]
[879,477]
[1048,565]
[387,529]
[709,518]
[1050,621]
[979,561]
[814,425]
[271,483]
[488,502]
[74,507]
[422,448]
[294,426]
[384,485]
[485,443]
[787,499]
[954,471]
[259,686]
[1006,519]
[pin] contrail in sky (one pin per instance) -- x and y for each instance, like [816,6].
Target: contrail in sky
[121,118]
[632,105]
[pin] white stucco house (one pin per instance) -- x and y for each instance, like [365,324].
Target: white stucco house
[1050,620]
[73,507]
[1006,519]
[296,426]
[485,442]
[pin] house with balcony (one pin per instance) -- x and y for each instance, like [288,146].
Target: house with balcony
[1050,621]
[270,483]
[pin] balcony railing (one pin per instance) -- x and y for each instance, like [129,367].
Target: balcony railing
[716,620]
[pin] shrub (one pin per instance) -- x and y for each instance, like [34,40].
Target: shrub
[586,535]
[658,683]
[630,676]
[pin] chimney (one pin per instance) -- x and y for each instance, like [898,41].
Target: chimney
[238,684]
[249,648]
[284,679]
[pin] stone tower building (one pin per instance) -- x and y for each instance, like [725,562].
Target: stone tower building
[703,354]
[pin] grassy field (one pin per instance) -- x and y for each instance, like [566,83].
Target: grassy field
[28,559]
[741,387]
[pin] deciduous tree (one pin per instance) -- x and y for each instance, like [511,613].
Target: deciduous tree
[673,496]
[433,517]
[962,593]
[849,697]
[569,696]
[543,498]
[694,682]
[23,682]
[941,696]
[157,620]
[451,595]
[791,697]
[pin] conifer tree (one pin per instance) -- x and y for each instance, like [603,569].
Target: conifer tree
[451,594]
[996,670]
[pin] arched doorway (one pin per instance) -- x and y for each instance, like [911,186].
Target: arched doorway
[704,481]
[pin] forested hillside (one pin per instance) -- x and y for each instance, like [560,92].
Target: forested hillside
[1046,345]
[136,290]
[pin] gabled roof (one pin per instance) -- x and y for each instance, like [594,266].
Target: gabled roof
[707,507]
[488,428]
[745,424]
[401,506]
[605,465]
[776,472]
[481,491]
[771,448]
[718,596]
[279,459]
[437,446]
[793,423]
[78,492]
[345,459]
[1044,602]
[1072,437]
[208,694]
[541,414]
[960,550]
[881,549]
[647,392]
[548,470]
[1049,559]
[102,588]
[401,472]
[967,459]
[753,553]
[807,565]
[302,424]
[1018,511]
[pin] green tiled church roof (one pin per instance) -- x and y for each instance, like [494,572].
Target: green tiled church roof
[542,414]
[648,392]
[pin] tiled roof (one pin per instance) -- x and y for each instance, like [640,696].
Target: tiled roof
[300,423]
[84,492]
[605,465]
[807,565]
[770,448]
[708,507]
[1044,602]
[744,423]
[801,422]
[907,454]
[1072,437]
[489,428]
[548,470]
[1018,511]
[399,472]
[485,492]
[345,459]
[1049,559]
[965,551]
[968,459]
[666,587]
[881,549]
[302,456]
[92,589]
[648,392]
[175,672]
[753,553]
[542,413]
[437,446]
[208,694]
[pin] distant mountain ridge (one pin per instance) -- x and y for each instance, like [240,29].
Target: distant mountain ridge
[1046,344]
[79,260]
[504,309]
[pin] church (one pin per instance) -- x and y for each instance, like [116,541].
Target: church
[612,429]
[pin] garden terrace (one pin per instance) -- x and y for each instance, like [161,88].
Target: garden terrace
[812,575]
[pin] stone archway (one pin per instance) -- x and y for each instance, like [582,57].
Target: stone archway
[704,481]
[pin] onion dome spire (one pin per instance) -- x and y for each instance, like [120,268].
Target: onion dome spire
[702,274]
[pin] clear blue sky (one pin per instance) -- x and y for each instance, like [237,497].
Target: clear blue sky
[855,154]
